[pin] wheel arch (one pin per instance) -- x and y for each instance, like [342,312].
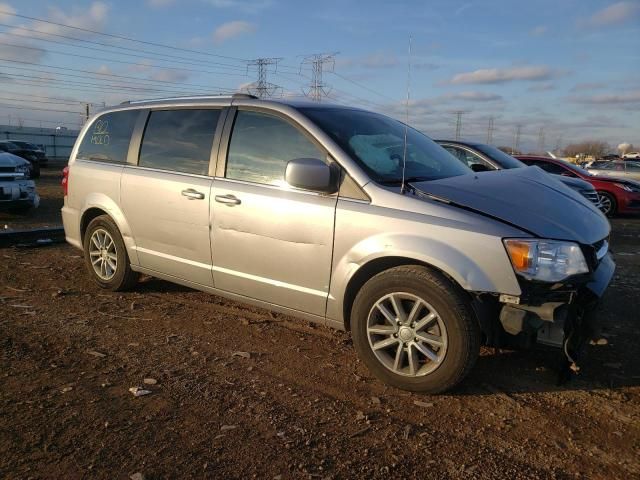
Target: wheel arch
[99,204]
[373,268]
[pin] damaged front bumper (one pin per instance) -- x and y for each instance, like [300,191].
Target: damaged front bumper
[561,315]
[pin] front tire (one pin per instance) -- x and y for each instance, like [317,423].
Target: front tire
[609,204]
[106,256]
[415,330]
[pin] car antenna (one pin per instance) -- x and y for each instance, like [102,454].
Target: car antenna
[406,123]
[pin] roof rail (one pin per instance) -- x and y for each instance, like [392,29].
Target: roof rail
[190,97]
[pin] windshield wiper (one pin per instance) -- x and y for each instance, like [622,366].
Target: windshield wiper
[398,181]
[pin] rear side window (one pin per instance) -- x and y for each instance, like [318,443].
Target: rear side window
[107,139]
[551,168]
[262,145]
[179,140]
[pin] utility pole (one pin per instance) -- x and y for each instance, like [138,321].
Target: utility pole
[319,62]
[458,114]
[262,88]
[541,140]
[516,139]
[490,130]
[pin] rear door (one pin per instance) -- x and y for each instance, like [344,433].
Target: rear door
[271,242]
[165,197]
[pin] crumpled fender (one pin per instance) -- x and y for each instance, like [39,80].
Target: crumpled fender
[477,262]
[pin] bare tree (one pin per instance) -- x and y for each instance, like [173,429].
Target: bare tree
[595,148]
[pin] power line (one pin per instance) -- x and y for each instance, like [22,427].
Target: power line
[363,86]
[137,81]
[19,107]
[138,64]
[145,57]
[121,37]
[168,82]
[261,88]
[83,40]
[318,89]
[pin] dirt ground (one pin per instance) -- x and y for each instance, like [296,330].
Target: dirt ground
[243,393]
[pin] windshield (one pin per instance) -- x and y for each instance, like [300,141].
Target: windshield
[578,170]
[497,155]
[376,143]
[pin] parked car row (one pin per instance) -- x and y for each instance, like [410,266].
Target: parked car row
[617,195]
[340,216]
[481,157]
[30,152]
[17,190]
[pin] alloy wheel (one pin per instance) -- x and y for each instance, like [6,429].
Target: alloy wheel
[406,334]
[103,254]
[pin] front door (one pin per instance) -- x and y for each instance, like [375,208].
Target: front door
[271,242]
[165,198]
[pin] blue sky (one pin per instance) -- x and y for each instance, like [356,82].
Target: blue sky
[571,67]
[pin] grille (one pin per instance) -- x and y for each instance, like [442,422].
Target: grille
[592,196]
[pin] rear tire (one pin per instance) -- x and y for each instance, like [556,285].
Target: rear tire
[106,256]
[609,204]
[415,330]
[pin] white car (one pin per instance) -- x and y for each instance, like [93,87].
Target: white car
[17,190]
[634,155]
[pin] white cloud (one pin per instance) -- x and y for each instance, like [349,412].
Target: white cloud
[92,18]
[502,75]
[246,6]
[473,96]
[580,87]
[538,31]
[617,99]
[542,87]
[169,76]
[232,29]
[613,14]
[373,60]
[5,12]
[160,3]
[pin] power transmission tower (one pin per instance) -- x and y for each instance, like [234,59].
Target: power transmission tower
[558,144]
[458,114]
[261,87]
[516,139]
[541,140]
[490,130]
[319,62]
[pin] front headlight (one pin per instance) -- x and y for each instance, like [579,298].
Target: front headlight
[628,187]
[545,260]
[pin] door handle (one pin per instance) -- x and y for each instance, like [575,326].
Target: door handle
[229,200]
[192,194]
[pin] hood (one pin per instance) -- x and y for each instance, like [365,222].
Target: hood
[10,160]
[574,183]
[624,181]
[524,197]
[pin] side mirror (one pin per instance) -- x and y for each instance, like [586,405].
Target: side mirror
[311,174]
[479,167]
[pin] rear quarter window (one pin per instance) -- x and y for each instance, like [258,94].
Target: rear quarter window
[108,137]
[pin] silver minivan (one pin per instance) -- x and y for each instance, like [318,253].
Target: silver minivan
[340,216]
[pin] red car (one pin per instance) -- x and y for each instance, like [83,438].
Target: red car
[616,194]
